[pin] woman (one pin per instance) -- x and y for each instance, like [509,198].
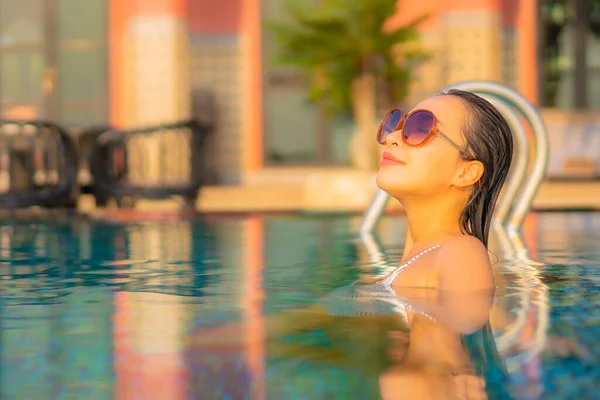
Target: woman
[446,162]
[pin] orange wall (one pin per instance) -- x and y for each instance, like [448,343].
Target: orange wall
[120,13]
[526,22]
[510,10]
[212,16]
[159,7]
[451,5]
[252,121]
[408,11]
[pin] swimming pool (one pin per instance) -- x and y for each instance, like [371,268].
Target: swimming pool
[103,310]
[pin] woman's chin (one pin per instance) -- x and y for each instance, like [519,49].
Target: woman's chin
[389,182]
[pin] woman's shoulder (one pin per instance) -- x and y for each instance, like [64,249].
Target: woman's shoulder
[457,245]
[464,264]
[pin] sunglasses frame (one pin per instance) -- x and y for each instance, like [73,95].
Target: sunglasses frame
[434,130]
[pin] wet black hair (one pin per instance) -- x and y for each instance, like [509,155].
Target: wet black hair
[490,141]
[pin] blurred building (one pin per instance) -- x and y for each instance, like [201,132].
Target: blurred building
[139,62]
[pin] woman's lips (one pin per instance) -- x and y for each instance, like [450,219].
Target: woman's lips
[389,159]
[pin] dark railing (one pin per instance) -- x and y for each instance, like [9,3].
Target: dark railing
[86,143]
[152,163]
[38,165]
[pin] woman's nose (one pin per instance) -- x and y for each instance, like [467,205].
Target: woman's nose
[393,139]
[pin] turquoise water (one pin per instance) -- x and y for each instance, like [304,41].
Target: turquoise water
[103,310]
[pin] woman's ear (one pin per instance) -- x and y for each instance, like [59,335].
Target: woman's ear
[468,174]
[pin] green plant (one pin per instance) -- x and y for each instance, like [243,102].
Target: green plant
[333,43]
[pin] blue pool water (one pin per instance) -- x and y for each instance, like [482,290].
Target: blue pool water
[115,310]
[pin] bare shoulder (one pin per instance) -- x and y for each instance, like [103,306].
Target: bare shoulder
[464,265]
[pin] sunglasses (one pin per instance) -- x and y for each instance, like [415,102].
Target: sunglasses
[417,128]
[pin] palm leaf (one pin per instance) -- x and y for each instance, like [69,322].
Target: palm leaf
[334,42]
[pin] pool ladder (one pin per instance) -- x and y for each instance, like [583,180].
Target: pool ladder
[509,214]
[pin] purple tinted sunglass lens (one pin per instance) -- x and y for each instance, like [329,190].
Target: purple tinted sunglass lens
[417,127]
[389,125]
[392,121]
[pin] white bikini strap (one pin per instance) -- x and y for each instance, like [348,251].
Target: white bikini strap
[401,268]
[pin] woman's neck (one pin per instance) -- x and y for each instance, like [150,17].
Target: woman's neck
[430,221]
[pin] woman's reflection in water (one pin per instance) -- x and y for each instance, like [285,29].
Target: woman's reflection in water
[449,351]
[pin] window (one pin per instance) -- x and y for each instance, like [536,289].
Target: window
[82,61]
[22,59]
[53,60]
[570,53]
[296,131]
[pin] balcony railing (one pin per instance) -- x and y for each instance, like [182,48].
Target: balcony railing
[152,163]
[38,165]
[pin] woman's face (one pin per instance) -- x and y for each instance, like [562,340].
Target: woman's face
[432,167]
